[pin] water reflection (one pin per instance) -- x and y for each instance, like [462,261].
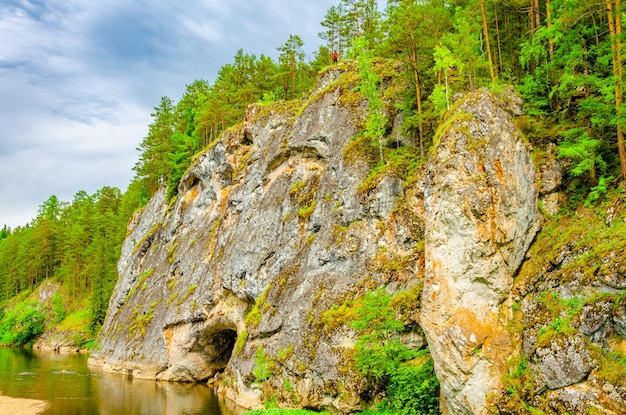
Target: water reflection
[122,395]
[65,381]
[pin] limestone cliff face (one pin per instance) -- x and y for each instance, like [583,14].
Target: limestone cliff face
[481,203]
[269,225]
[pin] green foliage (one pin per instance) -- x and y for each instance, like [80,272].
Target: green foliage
[21,324]
[369,86]
[75,243]
[563,67]
[240,342]
[268,97]
[75,321]
[413,388]
[584,152]
[379,352]
[598,191]
[58,307]
[263,366]
[286,411]
[402,162]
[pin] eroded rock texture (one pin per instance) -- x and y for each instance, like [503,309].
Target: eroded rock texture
[481,205]
[284,217]
[270,229]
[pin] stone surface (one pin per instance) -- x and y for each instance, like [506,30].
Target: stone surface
[269,224]
[564,361]
[481,204]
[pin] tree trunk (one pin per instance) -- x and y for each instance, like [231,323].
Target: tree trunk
[620,67]
[555,98]
[615,30]
[549,23]
[500,65]
[486,34]
[418,93]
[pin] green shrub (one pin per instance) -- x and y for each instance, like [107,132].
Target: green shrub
[263,366]
[378,353]
[58,308]
[413,389]
[278,411]
[22,324]
[598,191]
[412,386]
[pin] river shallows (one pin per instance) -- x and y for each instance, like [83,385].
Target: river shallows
[71,388]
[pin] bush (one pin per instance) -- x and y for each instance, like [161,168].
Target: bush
[412,386]
[277,411]
[378,350]
[58,307]
[22,324]
[263,366]
[413,390]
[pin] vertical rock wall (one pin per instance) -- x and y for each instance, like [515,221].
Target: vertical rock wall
[269,231]
[481,206]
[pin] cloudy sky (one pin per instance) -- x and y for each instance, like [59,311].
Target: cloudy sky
[79,79]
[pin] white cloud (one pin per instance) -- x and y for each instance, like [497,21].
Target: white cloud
[79,78]
[206,30]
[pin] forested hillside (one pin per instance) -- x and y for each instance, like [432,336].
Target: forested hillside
[564,57]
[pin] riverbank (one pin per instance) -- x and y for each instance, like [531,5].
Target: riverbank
[21,406]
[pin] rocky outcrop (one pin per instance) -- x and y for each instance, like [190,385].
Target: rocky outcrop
[269,230]
[56,335]
[481,204]
[287,218]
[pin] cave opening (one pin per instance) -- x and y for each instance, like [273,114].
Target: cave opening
[219,346]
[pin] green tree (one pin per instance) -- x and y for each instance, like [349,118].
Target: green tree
[414,29]
[584,151]
[291,60]
[332,35]
[445,62]
[152,169]
[465,43]
[369,86]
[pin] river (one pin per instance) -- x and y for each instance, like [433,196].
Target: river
[71,388]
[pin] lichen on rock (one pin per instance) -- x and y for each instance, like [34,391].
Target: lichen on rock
[481,204]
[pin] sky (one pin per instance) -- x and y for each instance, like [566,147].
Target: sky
[79,79]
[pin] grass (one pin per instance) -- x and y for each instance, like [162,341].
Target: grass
[76,321]
[402,162]
[279,411]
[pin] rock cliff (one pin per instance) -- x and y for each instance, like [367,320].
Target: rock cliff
[289,217]
[270,229]
[481,203]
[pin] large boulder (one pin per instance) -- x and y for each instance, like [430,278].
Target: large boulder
[481,205]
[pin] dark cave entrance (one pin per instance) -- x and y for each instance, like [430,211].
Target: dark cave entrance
[219,345]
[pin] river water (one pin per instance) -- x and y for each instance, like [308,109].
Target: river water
[71,388]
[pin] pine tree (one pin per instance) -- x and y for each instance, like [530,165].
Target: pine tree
[414,28]
[152,169]
[291,61]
